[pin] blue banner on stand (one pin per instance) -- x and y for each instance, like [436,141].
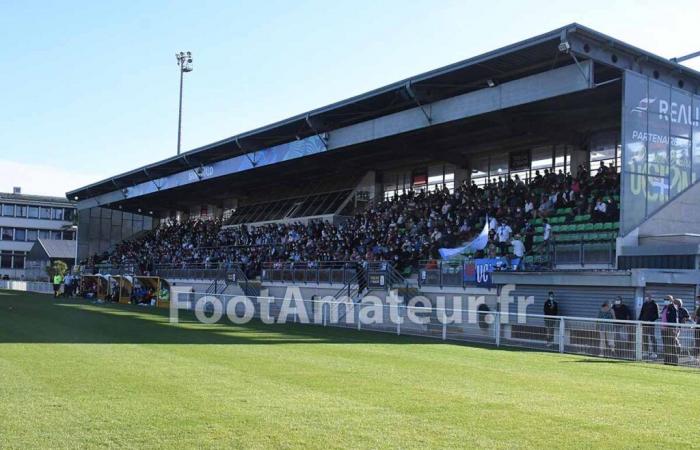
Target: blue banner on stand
[484,267]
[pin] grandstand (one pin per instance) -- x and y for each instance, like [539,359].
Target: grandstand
[568,120]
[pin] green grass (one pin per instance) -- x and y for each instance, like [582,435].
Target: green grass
[74,374]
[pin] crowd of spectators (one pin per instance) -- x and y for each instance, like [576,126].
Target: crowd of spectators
[406,229]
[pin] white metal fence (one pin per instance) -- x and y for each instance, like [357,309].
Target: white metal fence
[27,286]
[677,344]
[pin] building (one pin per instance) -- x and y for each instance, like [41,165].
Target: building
[567,98]
[24,220]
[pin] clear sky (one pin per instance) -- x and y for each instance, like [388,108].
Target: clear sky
[89,88]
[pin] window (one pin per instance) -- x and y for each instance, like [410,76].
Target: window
[6,261]
[68,214]
[33,212]
[604,149]
[32,235]
[20,211]
[56,235]
[7,234]
[44,234]
[57,214]
[19,261]
[20,234]
[498,166]
[45,213]
[69,235]
[541,158]
[8,210]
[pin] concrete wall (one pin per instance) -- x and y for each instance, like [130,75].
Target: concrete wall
[680,215]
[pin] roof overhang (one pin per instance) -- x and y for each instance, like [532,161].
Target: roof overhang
[535,55]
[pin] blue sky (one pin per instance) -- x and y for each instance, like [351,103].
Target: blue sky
[90,88]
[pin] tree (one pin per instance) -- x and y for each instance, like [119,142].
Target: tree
[58,267]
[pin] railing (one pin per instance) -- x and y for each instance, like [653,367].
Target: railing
[204,271]
[332,272]
[375,274]
[675,344]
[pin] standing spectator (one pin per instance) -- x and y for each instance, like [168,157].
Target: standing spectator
[669,331]
[518,251]
[623,334]
[503,232]
[683,315]
[551,310]
[606,330]
[68,285]
[529,237]
[546,237]
[650,314]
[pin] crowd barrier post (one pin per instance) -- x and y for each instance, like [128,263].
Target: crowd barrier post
[497,328]
[562,333]
[638,341]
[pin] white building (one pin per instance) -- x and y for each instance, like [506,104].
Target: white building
[26,218]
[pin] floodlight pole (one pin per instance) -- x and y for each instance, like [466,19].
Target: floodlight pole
[179,115]
[184,61]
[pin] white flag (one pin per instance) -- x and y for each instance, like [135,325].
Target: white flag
[479,243]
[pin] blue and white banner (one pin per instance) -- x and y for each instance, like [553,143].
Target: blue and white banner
[479,243]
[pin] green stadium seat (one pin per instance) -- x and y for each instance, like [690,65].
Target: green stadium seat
[539,230]
[537,221]
[598,226]
[588,227]
[608,226]
[616,225]
[580,227]
[556,228]
[538,239]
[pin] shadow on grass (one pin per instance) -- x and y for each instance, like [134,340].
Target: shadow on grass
[38,318]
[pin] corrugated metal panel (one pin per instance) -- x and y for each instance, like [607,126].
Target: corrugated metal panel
[575,301]
[686,292]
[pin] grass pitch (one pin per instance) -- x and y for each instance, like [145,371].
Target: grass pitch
[74,374]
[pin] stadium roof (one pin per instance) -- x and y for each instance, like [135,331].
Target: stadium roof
[514,61]
[53,248]
[7,196]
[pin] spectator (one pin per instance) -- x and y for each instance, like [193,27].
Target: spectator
[551,310]
[623,332]
[606,330]
[600,210]
[669,331]
[650,314]
[518,251]
[683,315]
[68,285]
[503,232]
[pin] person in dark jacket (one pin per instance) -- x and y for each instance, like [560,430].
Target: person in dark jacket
[669,331]
[649,313]
[551,310]
[624,333]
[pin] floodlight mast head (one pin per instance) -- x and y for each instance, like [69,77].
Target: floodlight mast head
[184,60]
